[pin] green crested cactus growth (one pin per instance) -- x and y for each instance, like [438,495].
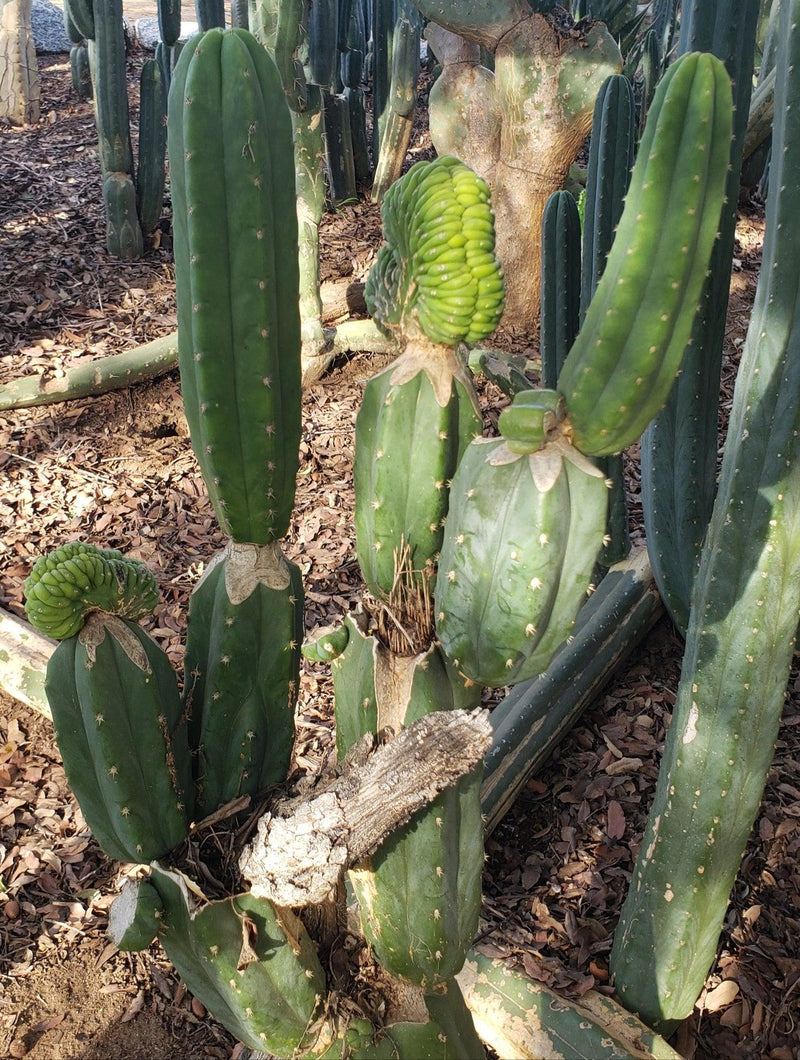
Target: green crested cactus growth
[435,282]
[741,632]
[77,578]
[537,507]
[114,701]
[623,363]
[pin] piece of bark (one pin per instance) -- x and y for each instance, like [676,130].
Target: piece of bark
[305,844]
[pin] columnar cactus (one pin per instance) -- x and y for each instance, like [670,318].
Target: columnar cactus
[239,349]
[741,632]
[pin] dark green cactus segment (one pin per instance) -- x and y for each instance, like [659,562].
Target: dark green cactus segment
[399,114]
[242,672]
[520,543]
[134,918]
[419,895]
[169,21]
[415,421]
[437,273]
[531,420]
[111,96]
[339,162]
[611,154]
[77,578]
[678,492]
[622,365]
[256,973]
[81,14]
[354,685]
[322,52]
[210,13]
[120,730]
[80,71]
[72,31]
[235,223]
[152,146]
[123,232]
[742,628]
[240,14]
[561,283]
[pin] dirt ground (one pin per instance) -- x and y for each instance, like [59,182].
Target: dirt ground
[118,470]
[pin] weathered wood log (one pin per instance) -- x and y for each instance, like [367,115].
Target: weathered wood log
[24,653]
[304,845]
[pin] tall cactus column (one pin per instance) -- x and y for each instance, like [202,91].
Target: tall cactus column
[741,631]
[230,141]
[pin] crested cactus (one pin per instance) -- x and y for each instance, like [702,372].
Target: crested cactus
[435,282]
[537,506]
[114,700]
[741,632]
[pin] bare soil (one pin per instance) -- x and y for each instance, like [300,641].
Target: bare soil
[118,470]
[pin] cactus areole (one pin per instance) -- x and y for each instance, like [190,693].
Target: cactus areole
[236,271]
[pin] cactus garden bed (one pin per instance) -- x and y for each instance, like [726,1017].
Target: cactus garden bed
[118,470]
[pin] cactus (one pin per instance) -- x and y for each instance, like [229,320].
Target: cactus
[561,283]
[623,363]
[242,672]
[256,971]
[152,146]
[679,449]
[169,21]
[79,70]
[741,631]
[239,326]
[114,700]
[210,13]
[80,14]
[536,506]
[135,915]
[398,116]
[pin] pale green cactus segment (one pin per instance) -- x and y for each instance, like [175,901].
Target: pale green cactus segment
[437,275]
[255,972]
[623,362]
[521,540]
[416,419]
[242,670]
[327,644]
[353,670]
[134,918]
[121,733]
[530,420]
[419,894]
[448,1034]
[77,578]
[236,266]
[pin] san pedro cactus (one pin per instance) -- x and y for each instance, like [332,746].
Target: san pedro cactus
[623,363]
[115,703]
[561,283]
[238,321]
[741,632]
[152,145]
[537,507]
[435,282]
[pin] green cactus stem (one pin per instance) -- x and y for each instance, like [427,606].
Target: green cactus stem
[210,13]
[254,967]
[169,21]
[416,419]
[322,56]
[679,449]
[134,918]
[537,507]
[242,672]
[120,730]
[402,100]
[238,321]
[339,164]
[561,283]
[741,631]
[419,894]
[623,363]
[79,70]
[81,14]
[152,146]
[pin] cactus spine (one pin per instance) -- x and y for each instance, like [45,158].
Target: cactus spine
[741,631]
